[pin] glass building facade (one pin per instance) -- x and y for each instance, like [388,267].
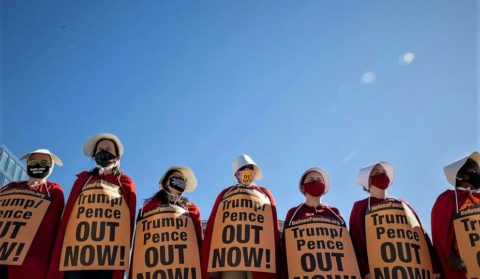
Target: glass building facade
[11,169]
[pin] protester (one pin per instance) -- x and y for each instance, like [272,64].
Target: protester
[38,223]
[386,232]
[243,224]
[94,236]
[456,245]
[169,213]
[314,184]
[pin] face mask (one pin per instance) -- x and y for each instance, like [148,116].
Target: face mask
[473,179]
[38,171]
[314,188]
[104,158]
[380,181]
[245,177]
[177,183]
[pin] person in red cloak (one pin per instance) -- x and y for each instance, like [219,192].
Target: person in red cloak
[375,179]
[314,183]
[106,149]
[464,175]
[243,163]
[40,164]
[176,181]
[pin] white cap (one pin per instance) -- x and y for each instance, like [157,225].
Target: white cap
[90,144]
[322,172]
[364,174]
[54,157]
[451,170]
[244,160]
[187,172]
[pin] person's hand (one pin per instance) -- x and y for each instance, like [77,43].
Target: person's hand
[437,275]
[366,276]
[456,263]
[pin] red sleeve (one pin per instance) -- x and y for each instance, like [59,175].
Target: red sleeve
[197,223]
[443,233]
[53,271]
[357,233]
[130,273]
[207,240]
[129,193]
[276,232]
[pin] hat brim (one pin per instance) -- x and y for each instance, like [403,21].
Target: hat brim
[187,172]
[451,170]
[56,160]
[244,160]
[364,174]
[90,144]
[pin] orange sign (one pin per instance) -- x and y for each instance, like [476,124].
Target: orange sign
[318,247]
[395,249]
[166,245]
[467,231]
[21,212]
[243,232]
[98,230]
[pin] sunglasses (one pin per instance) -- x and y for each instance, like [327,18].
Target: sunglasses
[41,163]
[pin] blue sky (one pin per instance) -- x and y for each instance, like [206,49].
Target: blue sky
[200,82]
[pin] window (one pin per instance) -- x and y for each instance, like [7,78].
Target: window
[4,160]
[15,172]
[11,167]
[6,181]
[18,173]
[2,177]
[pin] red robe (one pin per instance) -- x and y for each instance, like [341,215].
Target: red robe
[209,231]
[37,259]
[192,210]
[359,240]
[128,193]
[443,233]
[305,211]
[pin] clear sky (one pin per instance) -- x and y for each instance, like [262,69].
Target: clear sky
[294,84]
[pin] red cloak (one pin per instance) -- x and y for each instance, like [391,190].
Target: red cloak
[443,233]
[194,214]
[304,211]
[37,259]
[208,236]
[359,240]
[128,193]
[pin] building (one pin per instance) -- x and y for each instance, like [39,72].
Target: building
[11,169]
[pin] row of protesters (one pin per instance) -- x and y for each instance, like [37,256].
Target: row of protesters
[93,238]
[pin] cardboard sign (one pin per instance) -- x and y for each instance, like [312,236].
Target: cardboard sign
[243,233]
[98,230]
[395,249]
[21,212]
[166,245]
[467,231]
[318,247]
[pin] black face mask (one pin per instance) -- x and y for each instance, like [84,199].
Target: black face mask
[177,183]
[473,179]
[37,171]
[104,158]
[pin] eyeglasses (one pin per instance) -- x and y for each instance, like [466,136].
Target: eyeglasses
[41,163]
